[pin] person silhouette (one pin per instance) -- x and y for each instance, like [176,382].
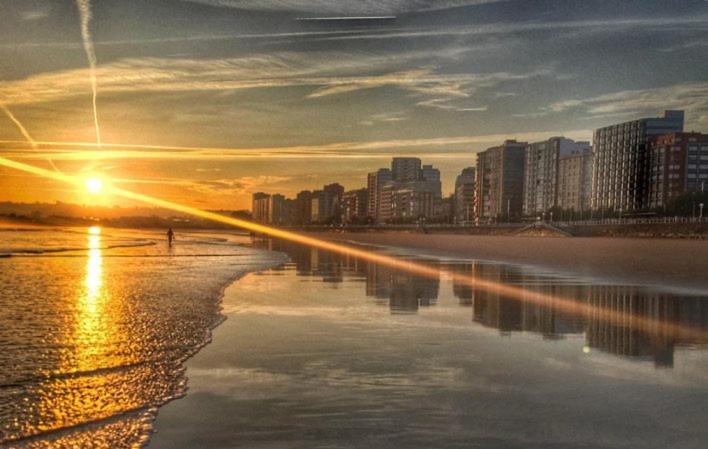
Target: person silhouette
[170,236]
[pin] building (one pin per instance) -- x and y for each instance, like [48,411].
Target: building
[332,199]
[431,177]
[260,207]
[464,206]
[500,181]
[620,163]
[375,184]
[406,169]
[541,172]
[277,210]
[317,207]
[575,180]
[385,209]
[412,201]
[444,210]
[678,163]
[354,206]
[303,208]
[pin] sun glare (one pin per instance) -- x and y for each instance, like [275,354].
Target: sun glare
[94,185]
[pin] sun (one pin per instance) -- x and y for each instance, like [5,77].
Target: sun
[94,185]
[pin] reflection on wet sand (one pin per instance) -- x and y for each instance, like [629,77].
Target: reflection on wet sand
[405,292]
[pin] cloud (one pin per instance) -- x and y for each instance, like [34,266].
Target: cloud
[328,72]
[33,15]
[365,149]
[238,186]
[343,7]
[691,97]
[444,104]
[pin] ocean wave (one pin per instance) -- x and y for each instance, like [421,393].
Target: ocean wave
[30,251]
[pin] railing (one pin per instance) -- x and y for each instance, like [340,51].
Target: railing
[633,221]
[560,223]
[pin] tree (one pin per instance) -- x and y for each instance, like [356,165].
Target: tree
[688,204]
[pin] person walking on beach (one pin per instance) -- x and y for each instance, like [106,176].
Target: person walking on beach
[170,236]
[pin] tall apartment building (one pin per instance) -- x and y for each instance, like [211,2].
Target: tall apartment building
[277,213]
[500,181]
[431,177]
[464,209]
[317,207]
[678,163]
[620,163]
[406,169]
[260,207]
[354,206]
[575,180]
[303,207]
[331,202]
[541,172]
[375,185]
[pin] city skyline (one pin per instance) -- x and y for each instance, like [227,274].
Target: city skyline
[249,96]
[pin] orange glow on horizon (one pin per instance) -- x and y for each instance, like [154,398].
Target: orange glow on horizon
[568,305]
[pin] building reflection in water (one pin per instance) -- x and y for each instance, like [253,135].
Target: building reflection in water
[404,292]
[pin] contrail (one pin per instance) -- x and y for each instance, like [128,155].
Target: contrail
[25,133]
[84,7]
[565,304]
[19,125]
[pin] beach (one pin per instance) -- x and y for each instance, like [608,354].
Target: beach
[330,351]
[96,324]
[668,263]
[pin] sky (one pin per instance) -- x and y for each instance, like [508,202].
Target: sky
[206,101]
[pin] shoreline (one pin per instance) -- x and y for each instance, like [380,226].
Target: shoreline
[664,263]
[218,301]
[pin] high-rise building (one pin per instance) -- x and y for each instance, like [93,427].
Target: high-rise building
[303,208]
[465,196]
[260,207]
[620,162]
[375,184]
[575,180]
[541,172]
[354,206]
[277,210]
[431,177]
[500,181]
[678,163]
[317,207]
[332,200]
[385,210]
[406,169]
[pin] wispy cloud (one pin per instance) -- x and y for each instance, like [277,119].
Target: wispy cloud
[691,97]
[243,185]
[328,73]
[342,7]
[439,147]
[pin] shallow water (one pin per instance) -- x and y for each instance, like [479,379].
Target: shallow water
[95,326]
[328,351]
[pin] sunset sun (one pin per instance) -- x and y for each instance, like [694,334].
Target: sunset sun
[94,185]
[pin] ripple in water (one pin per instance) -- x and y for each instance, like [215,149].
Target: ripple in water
[93,338]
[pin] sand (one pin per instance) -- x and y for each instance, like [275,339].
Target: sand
[675,264]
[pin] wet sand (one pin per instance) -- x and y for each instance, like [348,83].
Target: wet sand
[680,264]
[330,352]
